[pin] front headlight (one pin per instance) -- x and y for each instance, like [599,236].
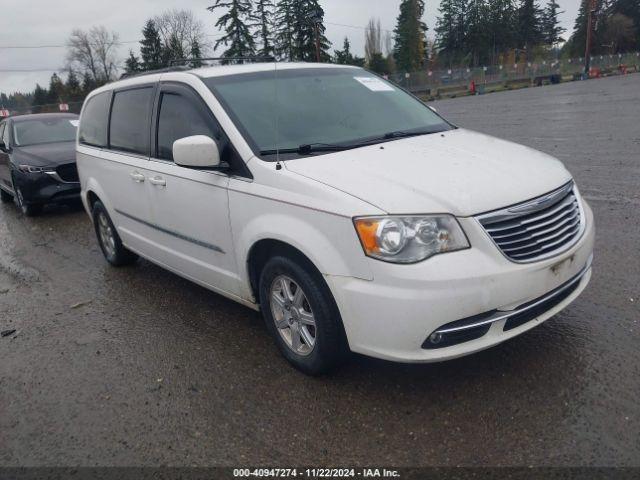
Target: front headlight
[409,239]
[31,169]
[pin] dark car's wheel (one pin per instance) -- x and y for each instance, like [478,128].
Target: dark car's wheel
[109,240]
[28,209]
[5,197]
[302,316]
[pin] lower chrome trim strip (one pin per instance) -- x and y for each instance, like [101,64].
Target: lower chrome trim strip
[502,315]
[195,241]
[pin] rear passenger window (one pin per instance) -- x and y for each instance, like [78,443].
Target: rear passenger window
[179,118]
[93,124]
[130,119]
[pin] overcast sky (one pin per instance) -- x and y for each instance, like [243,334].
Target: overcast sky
[43,22]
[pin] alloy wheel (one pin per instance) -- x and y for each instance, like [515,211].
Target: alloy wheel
[20,199]
[292,315]
[107,237]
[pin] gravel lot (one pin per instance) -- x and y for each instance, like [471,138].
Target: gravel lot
[136,366]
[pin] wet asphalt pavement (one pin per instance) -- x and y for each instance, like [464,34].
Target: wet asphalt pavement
[137,366]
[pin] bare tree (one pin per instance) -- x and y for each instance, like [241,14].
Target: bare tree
[94,52]
[372,39]
[388,44]
[183,28]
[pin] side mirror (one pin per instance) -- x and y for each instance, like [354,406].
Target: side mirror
[197,151]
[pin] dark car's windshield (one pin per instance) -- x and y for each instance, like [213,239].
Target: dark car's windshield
[287,109]
[44,130]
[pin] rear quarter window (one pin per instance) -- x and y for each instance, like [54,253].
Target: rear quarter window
[130,120]
[93,124]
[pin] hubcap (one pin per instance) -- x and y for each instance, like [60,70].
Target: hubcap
[106,235]
[292,315]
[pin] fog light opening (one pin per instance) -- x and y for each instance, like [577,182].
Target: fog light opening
[435,338]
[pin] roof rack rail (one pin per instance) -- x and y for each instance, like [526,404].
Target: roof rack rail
[182,61]
[181,64]
[175,68]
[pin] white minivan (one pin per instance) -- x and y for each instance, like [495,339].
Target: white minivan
[347,211]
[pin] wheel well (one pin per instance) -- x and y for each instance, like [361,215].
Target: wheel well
[92,198]
[263,250]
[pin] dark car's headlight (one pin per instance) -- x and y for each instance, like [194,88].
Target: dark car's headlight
[32,169]
[409,239]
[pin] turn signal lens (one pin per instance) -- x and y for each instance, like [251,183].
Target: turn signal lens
[409,239]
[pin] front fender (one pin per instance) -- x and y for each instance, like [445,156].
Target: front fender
[329,241]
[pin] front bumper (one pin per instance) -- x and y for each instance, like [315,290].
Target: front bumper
[40,188]
[393,316]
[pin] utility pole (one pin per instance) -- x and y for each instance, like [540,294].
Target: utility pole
[316,19]
[591,11]
[317,29]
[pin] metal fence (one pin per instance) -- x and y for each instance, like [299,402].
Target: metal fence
[65,107]
[440,81]
[457,80]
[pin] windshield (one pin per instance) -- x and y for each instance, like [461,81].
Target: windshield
[319,106]
[44,130]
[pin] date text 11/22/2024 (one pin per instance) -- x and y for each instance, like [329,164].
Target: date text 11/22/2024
[315,473]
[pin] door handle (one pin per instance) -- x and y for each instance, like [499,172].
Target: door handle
[158,181]
[137,177]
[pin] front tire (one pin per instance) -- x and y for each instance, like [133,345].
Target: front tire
[110,243]
[5,197]
[302,316]
[28,209]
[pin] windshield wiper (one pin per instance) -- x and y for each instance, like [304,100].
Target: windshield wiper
[308,148]
[403,134]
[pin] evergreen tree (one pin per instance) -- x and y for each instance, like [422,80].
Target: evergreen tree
[235,23]
[476,39]
[575,47]
[345,57]
[451,30]
[88,83]
[72,87]
[530,31]
[410,50]
[40,96]
[630,9]
[173,51]
[264,24]
[501,25]
[551,29]
[56,90]
[379,64]
[284,30]
[151,48]
[132,64]
[295,31]
[308,17]
[195,54]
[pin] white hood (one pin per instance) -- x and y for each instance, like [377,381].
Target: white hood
[459,172]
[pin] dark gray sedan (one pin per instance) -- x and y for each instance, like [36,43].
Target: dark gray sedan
[37,160]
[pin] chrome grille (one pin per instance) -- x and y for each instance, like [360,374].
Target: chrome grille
[539,228]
